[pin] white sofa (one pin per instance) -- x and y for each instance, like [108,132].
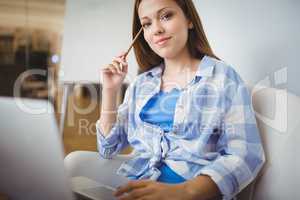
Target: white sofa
[277,117]
[277,114]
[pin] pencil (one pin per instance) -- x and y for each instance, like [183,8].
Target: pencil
[135,38]
[132,43]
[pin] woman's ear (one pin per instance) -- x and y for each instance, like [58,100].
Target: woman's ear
[191,25]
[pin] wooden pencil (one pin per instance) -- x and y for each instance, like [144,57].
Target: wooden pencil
[133,41]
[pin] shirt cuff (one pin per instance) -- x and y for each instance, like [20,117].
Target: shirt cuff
[109,142]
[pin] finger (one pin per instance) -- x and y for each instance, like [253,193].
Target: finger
[120,60]
[123,53]
[124,57]
[131,185]
[106,70]
[113,69]
[123,64]
[117,66]
[125,68]
[138,193]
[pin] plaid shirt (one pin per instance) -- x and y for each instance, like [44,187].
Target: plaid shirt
[214,131]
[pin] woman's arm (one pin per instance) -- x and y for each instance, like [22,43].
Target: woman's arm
[108,110]
[112,127]
[241,152]
[113,123]
[201,187]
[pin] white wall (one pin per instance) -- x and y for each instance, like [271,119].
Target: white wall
[95,31]
[259,38]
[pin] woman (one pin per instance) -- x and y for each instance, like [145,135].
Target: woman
[188,116]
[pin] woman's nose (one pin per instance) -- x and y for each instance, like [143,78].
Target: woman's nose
[158,28]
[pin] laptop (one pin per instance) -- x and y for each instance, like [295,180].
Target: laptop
[31,156]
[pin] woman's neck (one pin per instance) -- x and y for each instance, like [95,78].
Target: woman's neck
[182,63]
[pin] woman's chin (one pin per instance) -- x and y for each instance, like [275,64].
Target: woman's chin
[167,54]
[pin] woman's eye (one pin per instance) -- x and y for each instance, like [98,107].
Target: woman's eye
[166,16]
[145,25]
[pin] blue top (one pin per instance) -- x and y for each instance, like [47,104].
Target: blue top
[214,130]
[159,110]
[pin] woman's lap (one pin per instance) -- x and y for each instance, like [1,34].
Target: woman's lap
[89,164]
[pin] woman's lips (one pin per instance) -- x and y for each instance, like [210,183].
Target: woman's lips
[162,41]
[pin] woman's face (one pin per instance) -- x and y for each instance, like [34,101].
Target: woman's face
[165,27]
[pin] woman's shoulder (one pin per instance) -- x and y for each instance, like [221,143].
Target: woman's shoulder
[225,79]
[226,72]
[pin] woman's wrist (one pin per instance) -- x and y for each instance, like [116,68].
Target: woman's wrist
[200,188]
[189,191]
[110,90]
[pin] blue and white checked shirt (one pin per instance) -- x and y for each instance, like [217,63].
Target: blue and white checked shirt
[214,131]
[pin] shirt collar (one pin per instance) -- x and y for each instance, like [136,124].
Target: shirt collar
[205,68]
[156,71]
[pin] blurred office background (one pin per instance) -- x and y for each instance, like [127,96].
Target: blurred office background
[30,39]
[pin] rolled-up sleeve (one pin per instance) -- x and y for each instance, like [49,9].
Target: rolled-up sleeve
[239,146]
[116,139]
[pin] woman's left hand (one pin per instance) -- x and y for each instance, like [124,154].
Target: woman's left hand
[150,190]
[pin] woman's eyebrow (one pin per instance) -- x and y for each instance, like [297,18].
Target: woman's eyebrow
[158,12]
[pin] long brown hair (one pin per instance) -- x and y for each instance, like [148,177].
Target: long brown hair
[198,44]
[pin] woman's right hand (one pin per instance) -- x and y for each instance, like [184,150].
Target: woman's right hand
[114,74]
